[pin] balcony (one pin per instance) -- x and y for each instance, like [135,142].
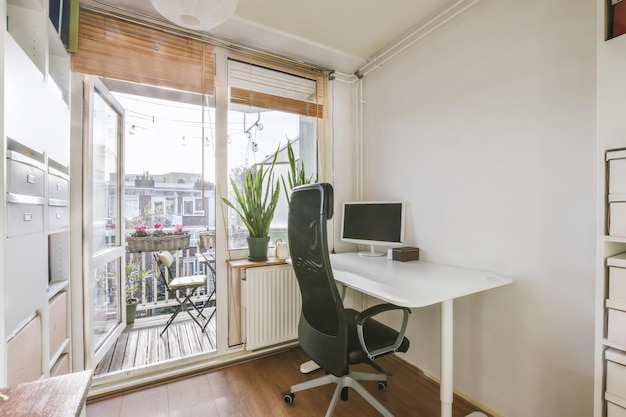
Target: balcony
[142,343]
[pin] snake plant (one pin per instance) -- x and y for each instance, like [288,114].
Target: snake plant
[257,199]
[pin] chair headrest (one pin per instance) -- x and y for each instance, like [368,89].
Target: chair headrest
[326,190]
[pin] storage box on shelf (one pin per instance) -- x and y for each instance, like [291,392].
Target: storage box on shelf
[615,303]
[614,410]
[24,352]
[58,196]
[616,166]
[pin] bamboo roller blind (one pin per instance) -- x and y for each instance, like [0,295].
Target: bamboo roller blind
[115,48]
[266,88]
[118,49]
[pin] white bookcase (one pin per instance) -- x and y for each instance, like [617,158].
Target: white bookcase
[35,127]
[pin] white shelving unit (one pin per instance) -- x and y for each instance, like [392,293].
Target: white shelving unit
[35,280]
[610,334]
[29,25]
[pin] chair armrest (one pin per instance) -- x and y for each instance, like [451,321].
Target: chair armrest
[377,309]
[363,316]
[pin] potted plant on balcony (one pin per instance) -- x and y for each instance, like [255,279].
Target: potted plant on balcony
[143,241]
[135,275]
[257,199]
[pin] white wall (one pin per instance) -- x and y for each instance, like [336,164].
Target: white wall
[487,129]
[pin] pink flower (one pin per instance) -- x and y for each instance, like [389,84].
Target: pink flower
[141,228]
[178,228]
[158,226]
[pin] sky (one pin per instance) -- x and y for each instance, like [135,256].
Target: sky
[163,136]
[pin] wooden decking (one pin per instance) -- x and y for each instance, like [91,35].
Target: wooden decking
[141,345]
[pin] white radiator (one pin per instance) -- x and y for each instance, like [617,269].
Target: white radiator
[271,303]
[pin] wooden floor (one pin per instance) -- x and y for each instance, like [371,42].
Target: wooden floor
[255,389]
[142,345]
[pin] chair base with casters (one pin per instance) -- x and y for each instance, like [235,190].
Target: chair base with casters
[187,284]
[344,382]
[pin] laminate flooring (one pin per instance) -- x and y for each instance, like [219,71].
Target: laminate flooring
[255,389]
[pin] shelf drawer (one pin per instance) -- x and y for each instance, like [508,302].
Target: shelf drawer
[25,179]
[24,219]
[616,326]
[617,284]
[58,322]
[617,174]
[58,188]
[24,354]
[614,410]
[58,217]
[616,379]
[617,216]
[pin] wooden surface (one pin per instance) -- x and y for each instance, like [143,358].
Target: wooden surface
[143,346]
[62,396]
[244,263]
[255,389]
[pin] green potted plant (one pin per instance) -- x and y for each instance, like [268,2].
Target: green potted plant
[135,275]
[257,199]
[296,175]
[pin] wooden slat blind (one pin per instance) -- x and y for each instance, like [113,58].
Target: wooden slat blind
[115,48]
[265,88]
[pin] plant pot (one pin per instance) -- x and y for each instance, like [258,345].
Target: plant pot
[206,241]
[157,243]
[257,248]
[131,310]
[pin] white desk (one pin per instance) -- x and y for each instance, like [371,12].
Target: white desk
[417,284]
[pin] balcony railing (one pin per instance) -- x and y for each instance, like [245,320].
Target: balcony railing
[154,299]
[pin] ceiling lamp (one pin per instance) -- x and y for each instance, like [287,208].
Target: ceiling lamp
[196,14]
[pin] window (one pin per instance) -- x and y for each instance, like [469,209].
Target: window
[268,109]
[132,206]
[192,206]
[270,104]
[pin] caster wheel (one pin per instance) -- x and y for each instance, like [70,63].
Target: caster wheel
[381,385]
[344,394]
[288,397]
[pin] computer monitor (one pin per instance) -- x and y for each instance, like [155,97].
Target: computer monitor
[373,223]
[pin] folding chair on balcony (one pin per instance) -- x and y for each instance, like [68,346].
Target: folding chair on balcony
[182,288]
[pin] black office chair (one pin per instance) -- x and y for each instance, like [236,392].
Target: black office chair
[333,336]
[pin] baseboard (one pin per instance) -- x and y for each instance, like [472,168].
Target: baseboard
[435,379]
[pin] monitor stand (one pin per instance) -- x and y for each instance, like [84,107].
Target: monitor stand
[371,253]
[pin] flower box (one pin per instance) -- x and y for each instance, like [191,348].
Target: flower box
[157,243]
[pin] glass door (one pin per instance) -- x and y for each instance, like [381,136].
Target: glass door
[103,245]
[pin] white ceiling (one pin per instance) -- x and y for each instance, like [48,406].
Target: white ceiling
[338,34]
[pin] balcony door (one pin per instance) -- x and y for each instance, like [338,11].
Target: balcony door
[103,250]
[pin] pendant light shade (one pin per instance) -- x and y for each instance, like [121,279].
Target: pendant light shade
[196,14]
